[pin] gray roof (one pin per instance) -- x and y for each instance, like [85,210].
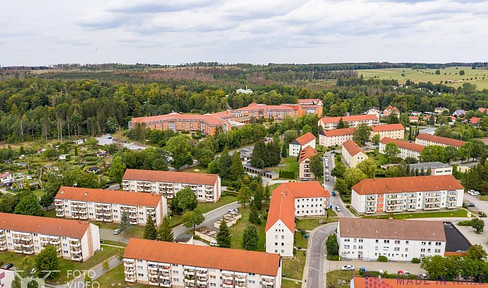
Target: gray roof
[431,165]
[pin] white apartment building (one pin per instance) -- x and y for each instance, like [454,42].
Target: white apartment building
[405,194]
[74,240]
[330,123]
[304,171]
[436,168]
[352,153]
[308,139]
[398,240]
[206,187]
[290,200]
[407,149]
[427,140]
[393,131]
[335,137]
[168,264]
[109,205]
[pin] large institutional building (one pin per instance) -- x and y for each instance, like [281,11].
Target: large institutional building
[401,194]
[427,139]
[290,200]
[168,264]
[335,137]
[330,123]
[407,149]
[398,240]
[206,187]
[109,205]
[29,235]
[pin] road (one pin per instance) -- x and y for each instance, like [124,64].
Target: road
[316,255]
[329,185]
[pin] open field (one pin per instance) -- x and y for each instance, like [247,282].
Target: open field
[451,75]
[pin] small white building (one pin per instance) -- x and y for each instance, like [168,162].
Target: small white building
[393,131]
[335,137]
[436,168]
[352,153]
[398,240]
[407,149]
[308,139]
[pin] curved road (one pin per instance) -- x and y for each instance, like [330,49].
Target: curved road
[316,255]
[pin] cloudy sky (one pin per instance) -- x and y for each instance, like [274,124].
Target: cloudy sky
[251,31]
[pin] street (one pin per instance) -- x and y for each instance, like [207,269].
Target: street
[316,255]
[329,185]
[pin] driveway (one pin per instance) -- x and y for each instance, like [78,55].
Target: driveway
[108,234]
[468,232]
[314,267]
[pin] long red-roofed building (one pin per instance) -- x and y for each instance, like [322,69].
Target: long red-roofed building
[394,131]
[290,200]
[427,140]
[330,123]
[334,137]
[170,264]
[407,194]
[407,149]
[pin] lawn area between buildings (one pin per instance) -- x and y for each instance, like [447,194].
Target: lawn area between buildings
[339,279]
[285,283]
[484,197]
[293,268]
[447,214]
[289,163]
[116,278]
[237,231]
[310,223]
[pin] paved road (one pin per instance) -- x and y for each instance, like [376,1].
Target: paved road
[329,185]
[316,256]
[390,267]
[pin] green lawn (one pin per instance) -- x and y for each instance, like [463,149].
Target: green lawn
[115,278]
[237,231]
[455,213]
[290,284]
[224,200]
[293,268]
[196,169]
[135,232]
[311,223]
[339,279]
[287,164]
[484,197]
[377,157]
[300,241]
[50,213]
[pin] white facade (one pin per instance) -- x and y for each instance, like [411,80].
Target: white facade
[353,160]
[295,147]
[279,239]
[353,121]
[437,168]
[404,152]
[335,140]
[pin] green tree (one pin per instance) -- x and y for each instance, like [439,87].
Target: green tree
[244,195]
[124,221]
[223,236]
[476,252]
[47,260]
[180,148]
[391,150]
[376,139]
[433,153]
[112,125]
[29,205]
[478,225]
[284,150]
[184,200]
[338,170]
[368,167]
[352,176]
[165,233]
[250,238]
[316,166]
[306,128]
[225,162]
[342,124]
[361,134]
[236,168]
[332,245]
[192,219]
[267,194]
[150,231]
[259,156]
[117,170]
[254,217]
[258,196]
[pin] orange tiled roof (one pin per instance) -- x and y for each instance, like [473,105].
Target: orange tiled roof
[170,176]
[403,144]
[387,127]
[209,119]
[304,139]
[483,110]
[367,282]
[339,132]
[349,118]
[254,106]
[474,120]
[407,184]
[352,148]
[441,140]
[306,153]
[204,256]
[108,196]
[309,101]
[43,225]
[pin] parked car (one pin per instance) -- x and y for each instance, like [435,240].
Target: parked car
[327,179]
[423,276]
[326,171]
[117,231]
[214,243]
[333,194]
[9,265]
[338,209]
[347,268]
[469,204]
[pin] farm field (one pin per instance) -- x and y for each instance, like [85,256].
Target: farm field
[451,75]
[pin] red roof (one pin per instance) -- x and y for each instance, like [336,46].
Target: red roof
[282,205]
[403,144]
[441,140]
[400,282]
[349,118]
[108,196]
[209,119]
[43,225]
[387,127]
[306,153]
[204,256]
[304,139]
[339,132]
[413,117]
[483,110]
[352,148]
[254,106]
[407,184]
[474,120]
[309,101]
[170,176]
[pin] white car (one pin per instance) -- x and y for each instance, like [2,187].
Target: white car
[347,268]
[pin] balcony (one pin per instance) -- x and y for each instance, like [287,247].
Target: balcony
[451,199]
[130,278]
[166,283]
[76,257]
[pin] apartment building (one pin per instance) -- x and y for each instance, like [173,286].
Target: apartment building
[393,131]
[407,149]
[330,123]
[427,139]
[290,200]
[304,171]
[311,106]
[168,264]
[109,205]
[405,194]
[389,110]
[399,240]
[74,240]
[436,168]
[308,139]
[276,112]
[206,187]
[352,153]
[335,137]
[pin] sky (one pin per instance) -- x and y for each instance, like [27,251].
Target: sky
[50,32]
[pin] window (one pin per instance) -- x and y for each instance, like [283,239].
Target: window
[438,243]
[396,249]
[386,241]
[397,241]
[347,240]
[423,242]
[376,248]
[346,246]
[386,248]
[437,251]
[422,250]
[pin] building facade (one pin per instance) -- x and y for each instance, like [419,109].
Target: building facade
[109,205]
[427,139]
[393,131]
[352,153]
[304,171]
[398,240]
[407,194]
[168,264]
[436,168]
[290,200]
[29,235]
[311,106]
[206,187]
[308,139]
[330,123]
[407,149]
[335,137]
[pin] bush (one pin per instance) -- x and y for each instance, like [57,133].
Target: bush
[415,260]
[348,206]
[465,223]
[287,174]
[333,257]
[382,258]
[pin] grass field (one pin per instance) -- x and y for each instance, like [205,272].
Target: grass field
[313,222]
[290,284]
[237,231]
[484,197]
[115,278]
[293,268]
[287,164]
[456,213]
[451,75]
[339,279]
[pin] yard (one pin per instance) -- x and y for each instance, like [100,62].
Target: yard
[300,241]
[237,231]
[455,213]
[196,169]
[311,223]
[115,278]
[290,284]
[339,279]
[287,164]
[484,197]
[293,268]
